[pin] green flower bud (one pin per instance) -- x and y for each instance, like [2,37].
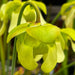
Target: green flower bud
[29,14]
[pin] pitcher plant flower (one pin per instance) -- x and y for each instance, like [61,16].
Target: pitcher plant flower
[35,38]
[40,41]
[68,13]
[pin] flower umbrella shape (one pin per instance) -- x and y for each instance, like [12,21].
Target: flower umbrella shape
[35,41]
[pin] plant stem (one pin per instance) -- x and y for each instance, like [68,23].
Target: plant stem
[13,58]
[8,55]
[73,63]
[55,19]
[2,56]
[4,1]
[22,9]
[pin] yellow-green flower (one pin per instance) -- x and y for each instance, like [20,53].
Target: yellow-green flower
[40,41]
[68,13]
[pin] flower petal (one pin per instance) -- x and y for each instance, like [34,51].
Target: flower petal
[38,57]
[73,45]
[69,31]
[17,31]
[14,20]
[51,60]
[66,6]
[46,33]
[60,53]
[41,49]
[62,41]
[25,56]
[41,5]
[70,18]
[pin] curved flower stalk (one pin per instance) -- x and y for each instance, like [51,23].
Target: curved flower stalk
[37,41]
[12,8]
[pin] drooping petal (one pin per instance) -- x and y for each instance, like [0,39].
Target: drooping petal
[66,6]
[41,5]
[70,18]
[17,31]
[42,20]
[12,6]
[62,41]
[73,45]
[50,61]
[25,56]
[3,27]
[60,53]
[69,31]
[14,19]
